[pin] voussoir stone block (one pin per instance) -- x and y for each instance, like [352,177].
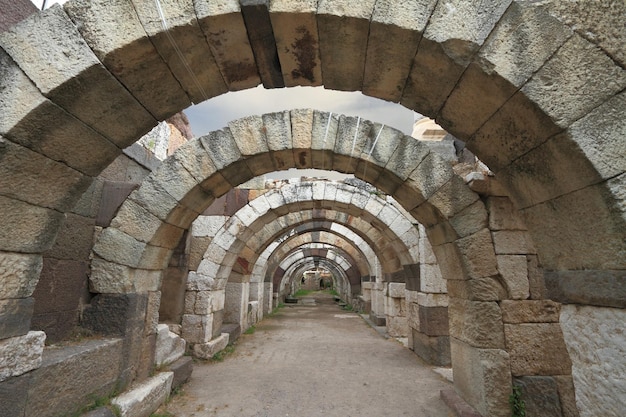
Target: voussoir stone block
[297,41]
[144,398]
[478,254]
[55,56]
[20,169]
[19,274]
[109,277]
[323,136]
[514,272]
[343,28]
[27,228]
[537,349]
[576,79]
[351,136]
[225,30]
[119,247]
[477,289]
[113,31]
[191,61]
[395,31]
[21,354]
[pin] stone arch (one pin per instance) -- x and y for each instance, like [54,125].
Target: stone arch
[535,126]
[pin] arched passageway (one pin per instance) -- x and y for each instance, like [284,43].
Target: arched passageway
[529,106]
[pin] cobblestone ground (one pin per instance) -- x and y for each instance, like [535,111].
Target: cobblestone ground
[313,360]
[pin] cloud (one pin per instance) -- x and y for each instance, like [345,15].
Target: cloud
[215,113]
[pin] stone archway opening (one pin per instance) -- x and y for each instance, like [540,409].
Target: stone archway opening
[534,127]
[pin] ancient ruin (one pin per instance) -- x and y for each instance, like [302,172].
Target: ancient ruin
[117,266]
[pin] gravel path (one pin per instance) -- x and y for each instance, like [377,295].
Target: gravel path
[313,360]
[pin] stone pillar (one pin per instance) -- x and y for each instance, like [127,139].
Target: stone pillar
[268,289]
[377,315]
[236,303]
[202,320]
[395,309]
[256,295]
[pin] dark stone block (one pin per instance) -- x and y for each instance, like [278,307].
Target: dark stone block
[398,276]
[74,240]
[84,371]
[540,395]
[412,277]
[257,19]
[434,321]
[182,369]
[113,195]
[217,208]
[15,316]
[62,284]
[58,326]
[15,11]
[236,199]
[218,320]
[591,287]
[115,314]
[433,349]
[12,395]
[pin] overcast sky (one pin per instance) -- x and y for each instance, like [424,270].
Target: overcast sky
[217,112]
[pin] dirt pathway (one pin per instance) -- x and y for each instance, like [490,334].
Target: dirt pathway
[309,361]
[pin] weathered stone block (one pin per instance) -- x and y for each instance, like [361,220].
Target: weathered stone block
[457,404]
[478,323]
[537,349]
[397,326]
[196,328]
[61,286]
[527,311]
[514,273]
[433,321]
[575,69]
[478,254]
[540,395]
[343,31]
[87,370]
[597,361]
[116,314]
[431,280]
[21,354]
[432,300]
[433,349]
[396,289]
[399,25]
[145,397]
[20,169]
[18,274]
[207,350]
[503,215]
[512,243]
[483,378]
[565,387]
[15,316]
[70,66]
[27,228]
